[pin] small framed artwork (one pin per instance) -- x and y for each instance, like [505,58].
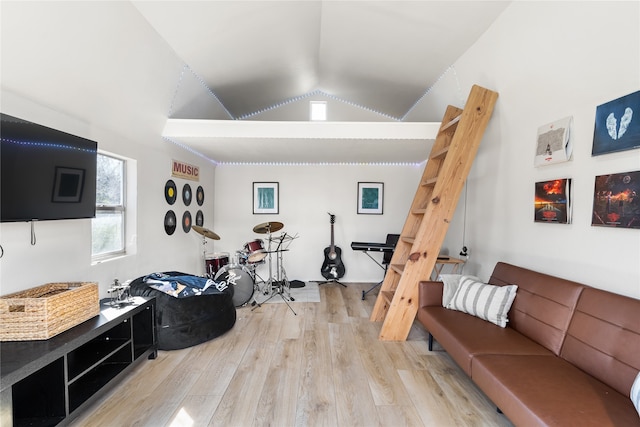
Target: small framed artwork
[68,185]
[553,201]
[265,198]
[617,126]
[370,197]
[616,201]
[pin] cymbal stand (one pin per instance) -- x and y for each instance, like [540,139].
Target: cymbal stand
[204,256]
[281,284]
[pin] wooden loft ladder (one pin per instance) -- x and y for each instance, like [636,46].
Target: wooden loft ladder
[431,212]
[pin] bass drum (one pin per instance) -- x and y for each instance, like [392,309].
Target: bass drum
[239,277]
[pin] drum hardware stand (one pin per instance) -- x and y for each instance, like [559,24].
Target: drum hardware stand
[205,233]
[282,282]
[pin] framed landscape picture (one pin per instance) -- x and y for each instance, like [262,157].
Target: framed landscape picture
[265,197]
[370,197]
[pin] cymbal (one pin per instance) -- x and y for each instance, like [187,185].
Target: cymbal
[268,227]
[205,232]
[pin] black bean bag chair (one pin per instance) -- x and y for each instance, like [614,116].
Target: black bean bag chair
[185,322]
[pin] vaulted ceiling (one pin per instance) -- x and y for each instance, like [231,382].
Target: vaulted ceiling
[134,67]
[382,55]
[377,56]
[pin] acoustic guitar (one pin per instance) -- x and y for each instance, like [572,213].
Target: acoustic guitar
[332,267]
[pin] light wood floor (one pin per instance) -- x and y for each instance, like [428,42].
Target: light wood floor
[321,367]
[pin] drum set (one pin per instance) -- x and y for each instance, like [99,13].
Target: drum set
[240,272]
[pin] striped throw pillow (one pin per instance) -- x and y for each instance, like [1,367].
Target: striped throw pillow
[488,302]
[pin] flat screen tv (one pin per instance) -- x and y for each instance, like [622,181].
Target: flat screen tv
[45,174]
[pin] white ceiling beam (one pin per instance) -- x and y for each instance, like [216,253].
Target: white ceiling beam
[194,128]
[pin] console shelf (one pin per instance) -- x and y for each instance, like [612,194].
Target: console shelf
[48,382]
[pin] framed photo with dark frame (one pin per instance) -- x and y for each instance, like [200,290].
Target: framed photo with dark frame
[616,201]
[370,198]
[265,198]
[68,185]
[617,128]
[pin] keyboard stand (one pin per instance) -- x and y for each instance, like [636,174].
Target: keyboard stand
[364,293]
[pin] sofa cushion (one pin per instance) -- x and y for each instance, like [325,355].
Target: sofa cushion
[604,338]
[488,302]
[465,336]
[548,390]
[544,304]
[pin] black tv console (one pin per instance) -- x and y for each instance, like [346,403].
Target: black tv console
[49,382]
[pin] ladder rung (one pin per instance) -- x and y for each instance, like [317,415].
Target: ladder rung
[419,211]
[408,239]
[398,268]
[440,153]
[429,182]
[387,295]
[453,122]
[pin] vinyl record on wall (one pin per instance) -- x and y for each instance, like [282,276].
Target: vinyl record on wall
[170,222]
[186,194]
[186,221]
[170,192]
[200,195]
[199,219]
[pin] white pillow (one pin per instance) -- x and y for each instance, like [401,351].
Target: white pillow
[488,302]
[635,393]
[450,283]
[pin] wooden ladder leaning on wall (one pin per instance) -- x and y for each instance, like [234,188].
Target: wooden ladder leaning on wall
[431,212]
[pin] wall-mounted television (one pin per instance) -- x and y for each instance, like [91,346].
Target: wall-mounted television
[45,174]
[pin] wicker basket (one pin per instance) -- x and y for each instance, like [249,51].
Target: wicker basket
[45,311]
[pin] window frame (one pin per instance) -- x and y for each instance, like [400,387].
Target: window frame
[121,208]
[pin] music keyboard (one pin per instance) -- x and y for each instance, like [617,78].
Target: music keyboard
[372,247]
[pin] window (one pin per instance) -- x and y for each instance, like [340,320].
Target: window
[318,110]
[108,227]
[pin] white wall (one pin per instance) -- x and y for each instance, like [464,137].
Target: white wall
[64,66]
[307,194]
[62,252]
[547,60]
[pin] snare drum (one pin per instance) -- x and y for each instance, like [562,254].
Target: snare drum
[256,251]
[239,277]
[214,262]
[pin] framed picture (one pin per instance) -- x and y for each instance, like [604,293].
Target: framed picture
[265,197]
[553,201]
[68,185]
[370,197]
[617,126]
[615,200]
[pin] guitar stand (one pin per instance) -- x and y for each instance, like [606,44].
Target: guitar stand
[332,281]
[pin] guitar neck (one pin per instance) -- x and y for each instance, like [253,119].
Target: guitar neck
[333,247]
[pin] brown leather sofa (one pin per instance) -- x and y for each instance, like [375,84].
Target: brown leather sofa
[568,356]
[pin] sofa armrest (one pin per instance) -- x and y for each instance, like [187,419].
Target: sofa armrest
[430,293]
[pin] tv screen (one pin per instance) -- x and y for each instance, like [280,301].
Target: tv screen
[45,174]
